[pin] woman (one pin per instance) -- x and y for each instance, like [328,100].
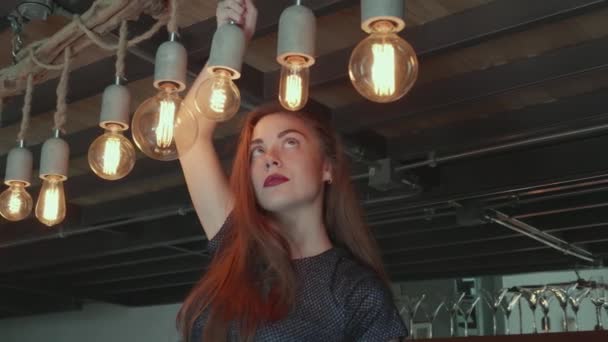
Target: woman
[293,258]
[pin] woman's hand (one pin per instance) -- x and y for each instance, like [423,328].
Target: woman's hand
[242,12]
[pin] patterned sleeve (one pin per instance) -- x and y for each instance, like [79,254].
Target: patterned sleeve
[216,242]
[371,314]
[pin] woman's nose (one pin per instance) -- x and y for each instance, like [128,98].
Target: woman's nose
[272,160]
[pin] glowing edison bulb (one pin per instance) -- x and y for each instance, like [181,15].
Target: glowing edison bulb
[112,156]
[383,67]
[293,86]
[50,208]
[159,120]
[218,98]
[15,202]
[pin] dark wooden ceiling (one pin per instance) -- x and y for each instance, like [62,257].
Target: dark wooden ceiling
[492,73]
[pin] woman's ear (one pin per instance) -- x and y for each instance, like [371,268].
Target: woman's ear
[327,170]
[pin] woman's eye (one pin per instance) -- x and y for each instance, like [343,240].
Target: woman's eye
[256,151]
[291,142]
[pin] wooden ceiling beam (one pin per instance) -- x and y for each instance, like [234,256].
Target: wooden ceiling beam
[19,302]
[137,236]
[196,38]
[562,63]
[455,31]
[489,129]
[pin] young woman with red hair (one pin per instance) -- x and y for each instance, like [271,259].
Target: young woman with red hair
[293,259]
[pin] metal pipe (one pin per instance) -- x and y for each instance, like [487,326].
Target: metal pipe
[433,160]
[414,193]
[89,229]
[505,194]
[540,236]
[505,146]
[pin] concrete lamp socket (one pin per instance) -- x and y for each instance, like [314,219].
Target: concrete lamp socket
[170,65]
[54,158]
[297,32]
[382,10]
[19,166]
[227,50]
[115,106]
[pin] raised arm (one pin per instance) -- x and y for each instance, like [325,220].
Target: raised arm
[207,183]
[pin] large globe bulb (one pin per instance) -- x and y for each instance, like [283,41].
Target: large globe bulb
[383,67]
[112,156]
[157,123]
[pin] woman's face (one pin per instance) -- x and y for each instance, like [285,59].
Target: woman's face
[287,168]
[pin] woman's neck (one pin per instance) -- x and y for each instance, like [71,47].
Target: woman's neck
[305,232]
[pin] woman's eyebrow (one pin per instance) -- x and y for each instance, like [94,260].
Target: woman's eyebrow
[290,130]
[260,141]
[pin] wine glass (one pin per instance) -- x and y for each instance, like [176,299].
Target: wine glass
[412,305]
[575,297]
[544,300]
[598,298]
[507,305]
[531,296]
[431,317]
[453,307]
[562,299]
[467,314]
[494,304]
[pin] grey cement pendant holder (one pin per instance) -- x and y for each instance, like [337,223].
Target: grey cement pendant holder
[54,157]
[19,166]
[382,10]
[227,50]
[297,31]
[115,106]
[170,64]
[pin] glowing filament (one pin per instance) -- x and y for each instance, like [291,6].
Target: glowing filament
[383,69]
[111,156]
[164,130]
[15,204]
[217,103]
[50,211]
[293,92]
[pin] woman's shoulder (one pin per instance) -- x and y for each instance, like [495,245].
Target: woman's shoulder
[352,276]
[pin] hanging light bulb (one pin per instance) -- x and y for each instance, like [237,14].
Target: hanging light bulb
[112,156]
[159,119]
[293,86]
[383,67]
[15,202]
[51,206]
[218,98]
[295,53]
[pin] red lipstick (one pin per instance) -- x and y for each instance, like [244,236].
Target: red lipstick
[275,179]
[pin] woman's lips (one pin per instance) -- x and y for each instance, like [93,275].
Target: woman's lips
[274,180]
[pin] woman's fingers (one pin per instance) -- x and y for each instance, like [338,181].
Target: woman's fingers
[236,5]
[230,10]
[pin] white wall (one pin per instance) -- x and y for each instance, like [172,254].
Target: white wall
[96,323]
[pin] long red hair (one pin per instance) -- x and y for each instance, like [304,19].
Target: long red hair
[250,280]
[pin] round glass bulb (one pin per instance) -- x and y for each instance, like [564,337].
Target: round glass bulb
[383,67]
[293,84]
[15,202]
[218,98]
[112,156]
[158,121]
[50,208]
